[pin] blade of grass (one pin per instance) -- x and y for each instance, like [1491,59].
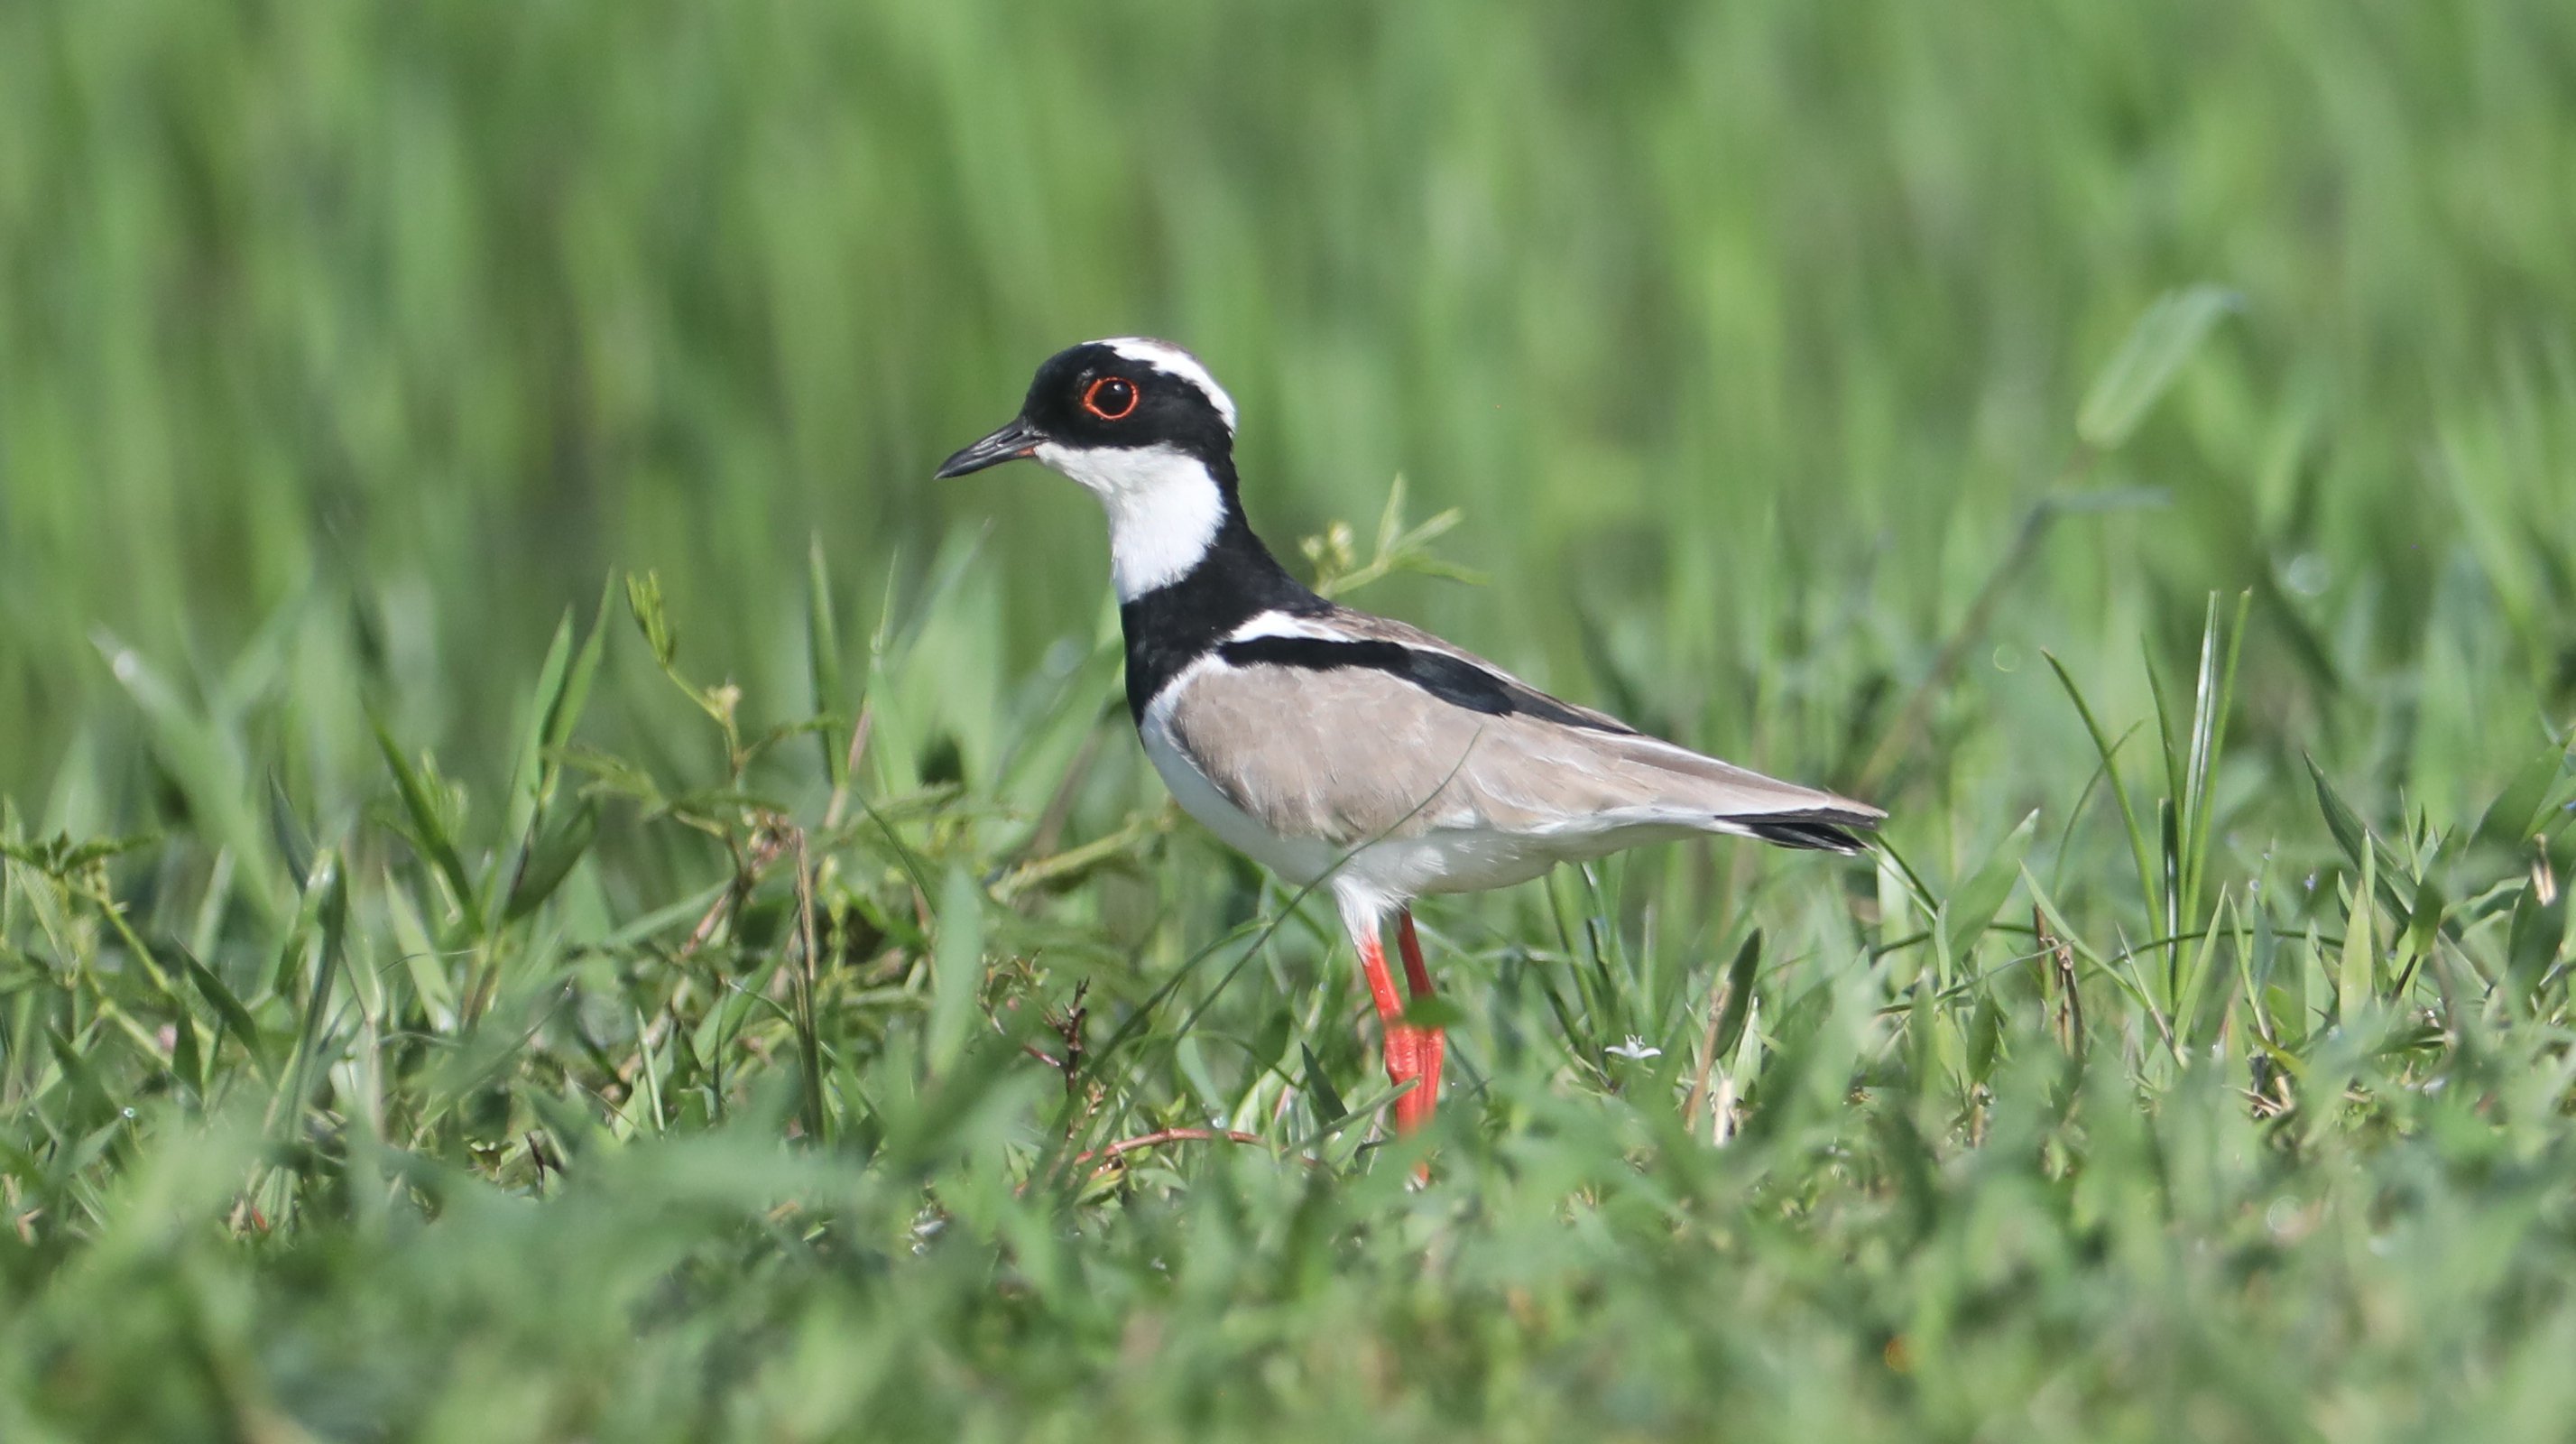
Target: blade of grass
[429,829]
[2107,751]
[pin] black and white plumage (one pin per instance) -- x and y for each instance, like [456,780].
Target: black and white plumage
[1332,746]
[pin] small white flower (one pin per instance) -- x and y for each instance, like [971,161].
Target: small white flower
[925,1227]
[1634,1050]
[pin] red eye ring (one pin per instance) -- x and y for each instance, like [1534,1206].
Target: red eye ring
[1117,405]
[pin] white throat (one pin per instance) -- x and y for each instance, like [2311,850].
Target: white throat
[1164,509]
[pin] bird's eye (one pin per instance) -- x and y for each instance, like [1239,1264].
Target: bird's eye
[1110,398]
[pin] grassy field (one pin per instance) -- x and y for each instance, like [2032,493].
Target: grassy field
[557,887]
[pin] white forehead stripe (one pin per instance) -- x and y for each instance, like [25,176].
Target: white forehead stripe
[1166,357]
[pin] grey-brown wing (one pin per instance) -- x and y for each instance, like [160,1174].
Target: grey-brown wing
[1352,752]
[1777,812]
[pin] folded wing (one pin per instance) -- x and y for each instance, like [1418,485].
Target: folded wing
[1357,727]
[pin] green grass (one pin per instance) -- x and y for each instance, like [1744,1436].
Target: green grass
[557,887]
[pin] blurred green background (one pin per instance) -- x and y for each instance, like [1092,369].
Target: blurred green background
[420,1019]
[1728,325]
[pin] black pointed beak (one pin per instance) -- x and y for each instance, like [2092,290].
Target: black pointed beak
[1008,444]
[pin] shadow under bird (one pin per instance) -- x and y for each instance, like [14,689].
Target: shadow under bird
[1332,746]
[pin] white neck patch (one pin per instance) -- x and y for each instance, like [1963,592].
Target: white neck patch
[1173,361]
[1164,508]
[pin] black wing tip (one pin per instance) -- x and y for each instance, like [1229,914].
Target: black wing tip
[1831,833]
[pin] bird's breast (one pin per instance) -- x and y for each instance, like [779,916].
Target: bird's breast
[1299,860]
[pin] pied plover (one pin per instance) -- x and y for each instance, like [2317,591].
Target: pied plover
[1332,746]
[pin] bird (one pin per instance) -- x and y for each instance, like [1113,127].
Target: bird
[1339,749]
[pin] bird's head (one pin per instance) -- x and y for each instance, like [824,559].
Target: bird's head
[1144,427]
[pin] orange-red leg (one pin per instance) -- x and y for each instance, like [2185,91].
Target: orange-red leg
[1402,1064]
[1413,1052]
[1429,1043]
